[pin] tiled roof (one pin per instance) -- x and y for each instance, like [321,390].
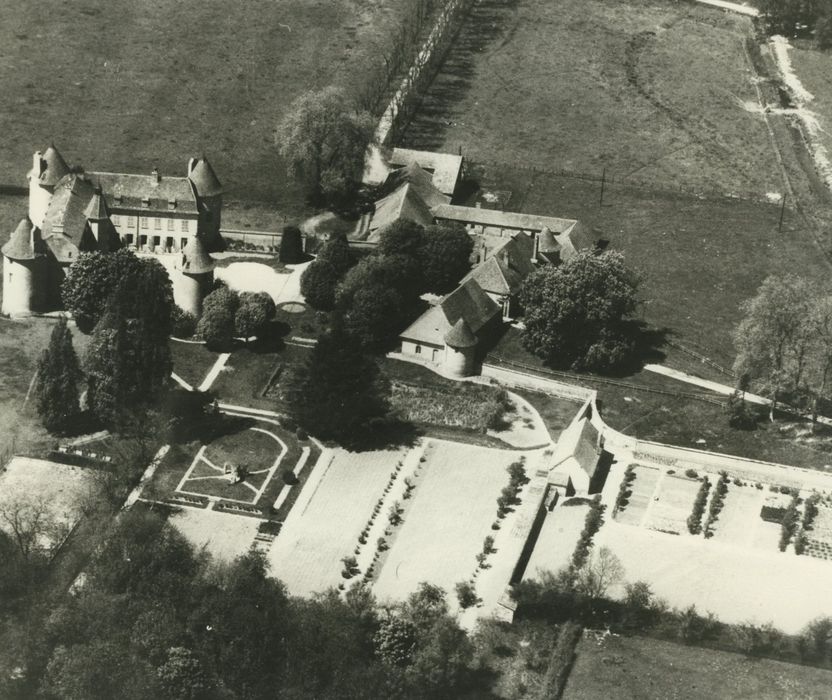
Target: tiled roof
[547,242]
[205,179]
[55,167]
[145,192]
[97,208]
[460,335]
[421,182]
[468,302]
[21,244]
[577,239]
[502,219]
[507,266]
[65,215]
[195,258]
[579,442]
[404,203]
[446,167]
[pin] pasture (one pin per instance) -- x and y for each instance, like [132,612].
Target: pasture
[127,86]
[651,669]
[649,90]
[327,519]
[446,520]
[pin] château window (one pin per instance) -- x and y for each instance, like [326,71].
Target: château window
[144,222]
[157,223]
[131,222]
[418,349]
[170,224]
[115,220]
[184,225]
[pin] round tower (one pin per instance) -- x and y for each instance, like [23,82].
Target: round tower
[22,260]
[460,348]
[193,277]
[47,170]
[208,191]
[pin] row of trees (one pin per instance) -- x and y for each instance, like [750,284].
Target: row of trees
[784,342]
[795,17]
[157,619]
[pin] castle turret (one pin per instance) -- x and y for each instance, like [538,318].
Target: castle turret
[22,263]
[48,168]
[460,346]
[193,276]
[208,192]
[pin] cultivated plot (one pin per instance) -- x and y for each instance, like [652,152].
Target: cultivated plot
[739,520]
[672,504]
[557,539]
[453,506]
[324,526]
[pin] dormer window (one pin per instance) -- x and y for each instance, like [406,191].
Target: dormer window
[117,198]
[146,202]
[172,204]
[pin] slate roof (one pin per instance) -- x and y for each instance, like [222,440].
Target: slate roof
[446,167]
[579,442]
[502,219]
[97,210]
[55,169]
[143,192]
[404,203]
[507,266]
[547,242]
[460,335]
[205,179]
[468,302]
[22,243]
[421,182]
[195,258]
[577,239]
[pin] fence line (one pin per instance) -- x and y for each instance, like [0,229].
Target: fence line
[610,178]
[524,368]
[702,358]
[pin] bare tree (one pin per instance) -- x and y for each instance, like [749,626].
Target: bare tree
[31,525]
[599,574]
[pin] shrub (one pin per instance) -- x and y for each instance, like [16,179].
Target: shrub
[216,326]
[183,323]
[691,473]
[717,502]
[466,594]
[741,415]
[810,511]
[624,491]
[395,513]
[288,477]
[694,521]
[488,545]
[788,525]
[593,522]
[382,545]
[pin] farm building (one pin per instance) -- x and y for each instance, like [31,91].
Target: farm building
[577,457]
[502,268]
[447,335]
[72,211]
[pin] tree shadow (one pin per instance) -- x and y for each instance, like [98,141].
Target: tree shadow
[648,343]
[385,434]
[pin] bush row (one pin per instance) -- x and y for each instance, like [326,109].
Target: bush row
[695,518]
[624,490]
[593,522]
[788,525]
[717,501]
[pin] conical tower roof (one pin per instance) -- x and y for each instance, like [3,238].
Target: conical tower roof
[21,244]
[195,258]
[461,335]
[97,208]
[547,242]
[205,179]
[56,167]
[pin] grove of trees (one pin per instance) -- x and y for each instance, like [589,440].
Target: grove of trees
[784,342]
[324,140]
[795,17]
[578,314]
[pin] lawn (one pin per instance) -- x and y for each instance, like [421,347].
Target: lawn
[192,361]
[328,516]
[647,89]
[649,669]
[157,83]
[556,413]
[450,513]
[557,540]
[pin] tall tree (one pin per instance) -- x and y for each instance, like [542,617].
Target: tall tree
[338,393]
[774,338]
[253,314]
[324,141]
[319,280]
[576,313]
[445,257]
[58,372]
[216,325]
[291,245]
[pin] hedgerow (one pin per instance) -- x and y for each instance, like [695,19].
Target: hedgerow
[695,518]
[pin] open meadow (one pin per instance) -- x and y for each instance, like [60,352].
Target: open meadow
[648,89]
[127,86]
[450,513]
[650,669]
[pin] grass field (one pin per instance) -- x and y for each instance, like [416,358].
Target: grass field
[129,86]
[192,361]
[648,89]
[650,669]
[452,508]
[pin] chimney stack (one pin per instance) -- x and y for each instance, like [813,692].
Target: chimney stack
[37,163]
[156,176]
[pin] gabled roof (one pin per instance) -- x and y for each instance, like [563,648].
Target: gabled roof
[421,182]
[97,208]
[66,213]
[573,241]
[494,218]
[195,258]
[578,444]
[22,243]
[144,192]
[468,302]
[546,242]
[55,167]
[446,167]
[205,179]
[460,335]
[507,266]
[404,203]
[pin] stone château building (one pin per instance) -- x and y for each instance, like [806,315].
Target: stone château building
[72,211]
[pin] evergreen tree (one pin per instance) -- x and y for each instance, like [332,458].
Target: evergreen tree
[291,245]
[338,394]
[57,381]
